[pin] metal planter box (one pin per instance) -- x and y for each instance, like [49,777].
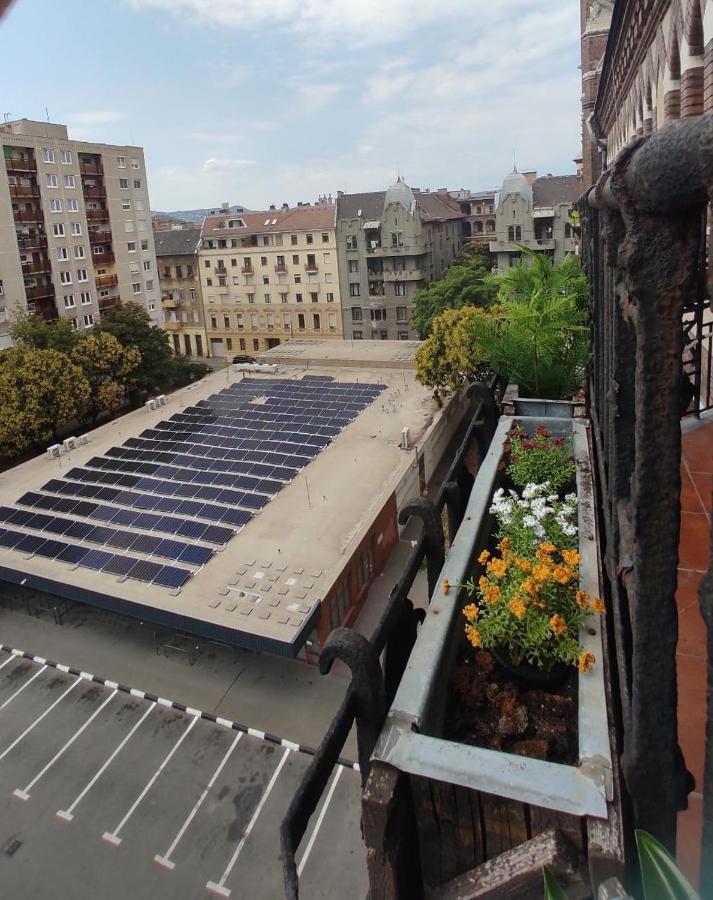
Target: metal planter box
[411,739]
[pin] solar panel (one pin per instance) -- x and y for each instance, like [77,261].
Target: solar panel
[95,559]
[119,565]
[145,570]
[196,555]
[171,577]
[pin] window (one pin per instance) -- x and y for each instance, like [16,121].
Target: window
[310,238]
[124,184]
[137,184]
[300,321]
[62,253]
[76,228]
[354,290]
[567,230]
[85,298]
[327,257]
[283,298]
[239,320]
[228,343]
[256,344]
[270,322]
[145,246]
[353,266]
[263,260]
[267,298]
[121,162]
[356,314]
[325,238]
[265,279]
[316,321]
[66,157]
[69,181]
[213,323]
[298,298]
[126,204]
[298,279]
[88,320]
[134,268]
[142,224]
[402,335]
[55,206]
[134,163]
[328,277]
[47,155]
[149,285]
[82,275]
[68,301]
[226,321]
[332,321]
[72,205]
[193,294]
[2,289]
[52,181]
[58,229]
[357,335]
[266,240]
[236,280]
[293,240]
[79,251]
[128,226]
[65,277]
[147,268]
[314,297]
[131,247]
[253,320]
[400,288]
[136,287]
[514,233]
[401,314]
[378,315]
[251,298]
[330,297]
[351,242]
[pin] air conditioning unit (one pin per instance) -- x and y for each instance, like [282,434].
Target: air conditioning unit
[54,451]
[82,440]
[150,404]
[162,399]
[405,439]
[69,443]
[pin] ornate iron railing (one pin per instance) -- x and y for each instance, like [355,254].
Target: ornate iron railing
[377,665]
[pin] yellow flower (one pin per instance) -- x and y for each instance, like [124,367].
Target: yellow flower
[497,567]
[586,661]
[541,573]
[530,587]
[571,557]
[542,556]
[558,625]
[517,608]
[504,543]
[491,594]
[524,565]
[483,582]
[546,547]
[583,599]
[484,557]
[561,575]
[597,605]
[473,635]
[470,612]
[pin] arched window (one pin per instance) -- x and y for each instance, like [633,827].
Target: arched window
[479,227]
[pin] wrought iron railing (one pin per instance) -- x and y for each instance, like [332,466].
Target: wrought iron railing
[377,665]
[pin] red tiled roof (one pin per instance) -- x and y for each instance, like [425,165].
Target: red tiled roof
[437,205]
[298,218]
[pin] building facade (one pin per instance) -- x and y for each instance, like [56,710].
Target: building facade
[75,227]
[534,212]
[269,276]
[479,214]
[595,18]
[391,243]
[181,296]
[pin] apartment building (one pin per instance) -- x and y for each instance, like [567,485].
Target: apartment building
[269,276]
[75,227]
[478,208]
[534,212]
[391,243]
[181,297]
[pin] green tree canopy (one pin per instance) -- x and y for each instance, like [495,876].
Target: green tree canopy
[131,325]
[40,392]
[39,334]
[452,354]
[109,368]
[465,283]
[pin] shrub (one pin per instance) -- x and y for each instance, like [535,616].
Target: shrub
[538,458]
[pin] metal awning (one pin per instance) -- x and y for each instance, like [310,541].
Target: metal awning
[374,223]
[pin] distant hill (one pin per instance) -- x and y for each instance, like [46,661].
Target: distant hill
[196,215]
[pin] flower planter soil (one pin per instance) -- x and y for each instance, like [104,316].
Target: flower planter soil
[488,708]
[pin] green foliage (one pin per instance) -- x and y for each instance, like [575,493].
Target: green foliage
[451,356]
[131,325]
[465,284]
[553,891]
[109,369]
[660,876]
[540,458]
[185,370]
[40,392]
[39,334]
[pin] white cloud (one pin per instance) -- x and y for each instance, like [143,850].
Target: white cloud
[227,165]
[97,117]
[215,137]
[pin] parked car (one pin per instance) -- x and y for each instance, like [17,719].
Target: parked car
[242,358]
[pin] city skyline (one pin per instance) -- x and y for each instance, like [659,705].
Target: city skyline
[261,104]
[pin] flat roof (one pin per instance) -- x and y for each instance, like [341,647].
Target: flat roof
[262,589]
[389,354]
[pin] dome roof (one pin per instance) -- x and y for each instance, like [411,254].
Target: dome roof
[400,192]
[515,183]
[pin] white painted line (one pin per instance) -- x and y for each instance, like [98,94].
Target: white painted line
[17,652]
[21,795]
[166,863]
[219,887]
[21,689]
[166,858]
[111,839]
[38,719]
[114,835]
[68,744]
[318,823]
[67,814]
[8,660]
[291,745]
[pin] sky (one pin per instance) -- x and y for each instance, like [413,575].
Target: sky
[271,101]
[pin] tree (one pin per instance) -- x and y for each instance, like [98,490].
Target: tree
[131,325]
[465,284]
[538,273]
[40,392]
[39,334]
[109,369]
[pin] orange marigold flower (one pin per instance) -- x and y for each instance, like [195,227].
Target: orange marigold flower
[558,625]
[483,582]
[470,612]
[597,605]
[491,594]
[517,608]
[583,599]
[543,557]
[524,565]
[473,635]
[530,587]
[504,543]
[571,557]
[541,572]
[561,575]
[586,661]
[497,567]
[547,547]
[484,557]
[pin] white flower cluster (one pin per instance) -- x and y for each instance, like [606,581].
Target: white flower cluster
[535,505]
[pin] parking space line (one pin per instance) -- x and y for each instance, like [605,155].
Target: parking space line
[112,837]
[68,814]
[219,887]
[21,689]
[318,823]
[25,793]
[9,660]
[165,860]
[39,719]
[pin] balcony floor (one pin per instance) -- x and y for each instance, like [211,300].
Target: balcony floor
[696,489]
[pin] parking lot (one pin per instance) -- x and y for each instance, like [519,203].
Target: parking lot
[108,793]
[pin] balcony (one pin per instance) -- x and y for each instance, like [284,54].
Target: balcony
[170,325]
[170,302]
[24,190]
[96,168]
[100,237]
[281,268]
[311,267]
[108,303]
[409,249]
[39,292]
[107,258]
[220,270]
[105,281]
[20,166]
[24,215]
[247,270]
[97,215]
[31,241]
[97,192]
[404,275]
[36,268]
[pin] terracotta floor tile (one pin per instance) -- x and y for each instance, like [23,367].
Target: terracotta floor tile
[687,590]
[699,454]
[693,546]
[704,484]
[692,635]
[692,713]
[688,839]
[690,500]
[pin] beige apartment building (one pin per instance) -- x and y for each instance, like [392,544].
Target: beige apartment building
[75,227]
[181,297]
[269,276]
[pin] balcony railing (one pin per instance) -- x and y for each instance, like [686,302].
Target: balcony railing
[100,237]
[16,166]
[104,281]
[170,302]
[107,258]
[281,268]
[23,215]
[94,193]
[31,241]
[247,270]
[39,292]
[33,267]
[97,215]
[91,168]
[311,267]
[409,274]
[24,190]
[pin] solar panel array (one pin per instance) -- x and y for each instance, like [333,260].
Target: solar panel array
[156,508]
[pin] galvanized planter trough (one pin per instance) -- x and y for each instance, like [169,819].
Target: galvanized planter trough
[582,799]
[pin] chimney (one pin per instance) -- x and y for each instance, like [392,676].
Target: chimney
[285,205]
[299,203]
[225,206]
[340,193]
[272,206]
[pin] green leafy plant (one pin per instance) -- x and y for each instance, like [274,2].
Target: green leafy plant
[553,891]
[539,458]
